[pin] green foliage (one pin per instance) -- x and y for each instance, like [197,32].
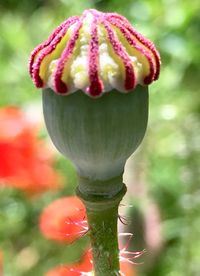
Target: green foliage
[171,148]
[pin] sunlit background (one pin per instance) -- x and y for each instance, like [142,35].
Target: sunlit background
[163,202]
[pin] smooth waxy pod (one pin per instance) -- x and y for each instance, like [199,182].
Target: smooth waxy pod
[97,135]
[95,70]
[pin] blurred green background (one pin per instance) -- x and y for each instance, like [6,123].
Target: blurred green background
[167,166]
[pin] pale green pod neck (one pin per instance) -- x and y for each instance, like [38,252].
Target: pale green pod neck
[107,188]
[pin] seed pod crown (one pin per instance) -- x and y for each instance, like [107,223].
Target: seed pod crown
[95,52]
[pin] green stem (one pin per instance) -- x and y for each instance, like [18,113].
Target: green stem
[102,215]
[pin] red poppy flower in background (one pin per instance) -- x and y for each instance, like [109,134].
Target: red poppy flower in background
[64,220]
[25,161]
[84,267]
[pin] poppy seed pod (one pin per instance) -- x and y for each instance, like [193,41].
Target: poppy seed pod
[97,55]
[97,135]
[95,70]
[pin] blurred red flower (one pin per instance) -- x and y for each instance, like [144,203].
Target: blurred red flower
[76,269]
[64,220]
[127,269]
[25,161]
[84,267]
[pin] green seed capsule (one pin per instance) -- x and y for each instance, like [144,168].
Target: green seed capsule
[97,135]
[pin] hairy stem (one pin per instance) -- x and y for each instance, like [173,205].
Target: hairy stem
[102,215]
